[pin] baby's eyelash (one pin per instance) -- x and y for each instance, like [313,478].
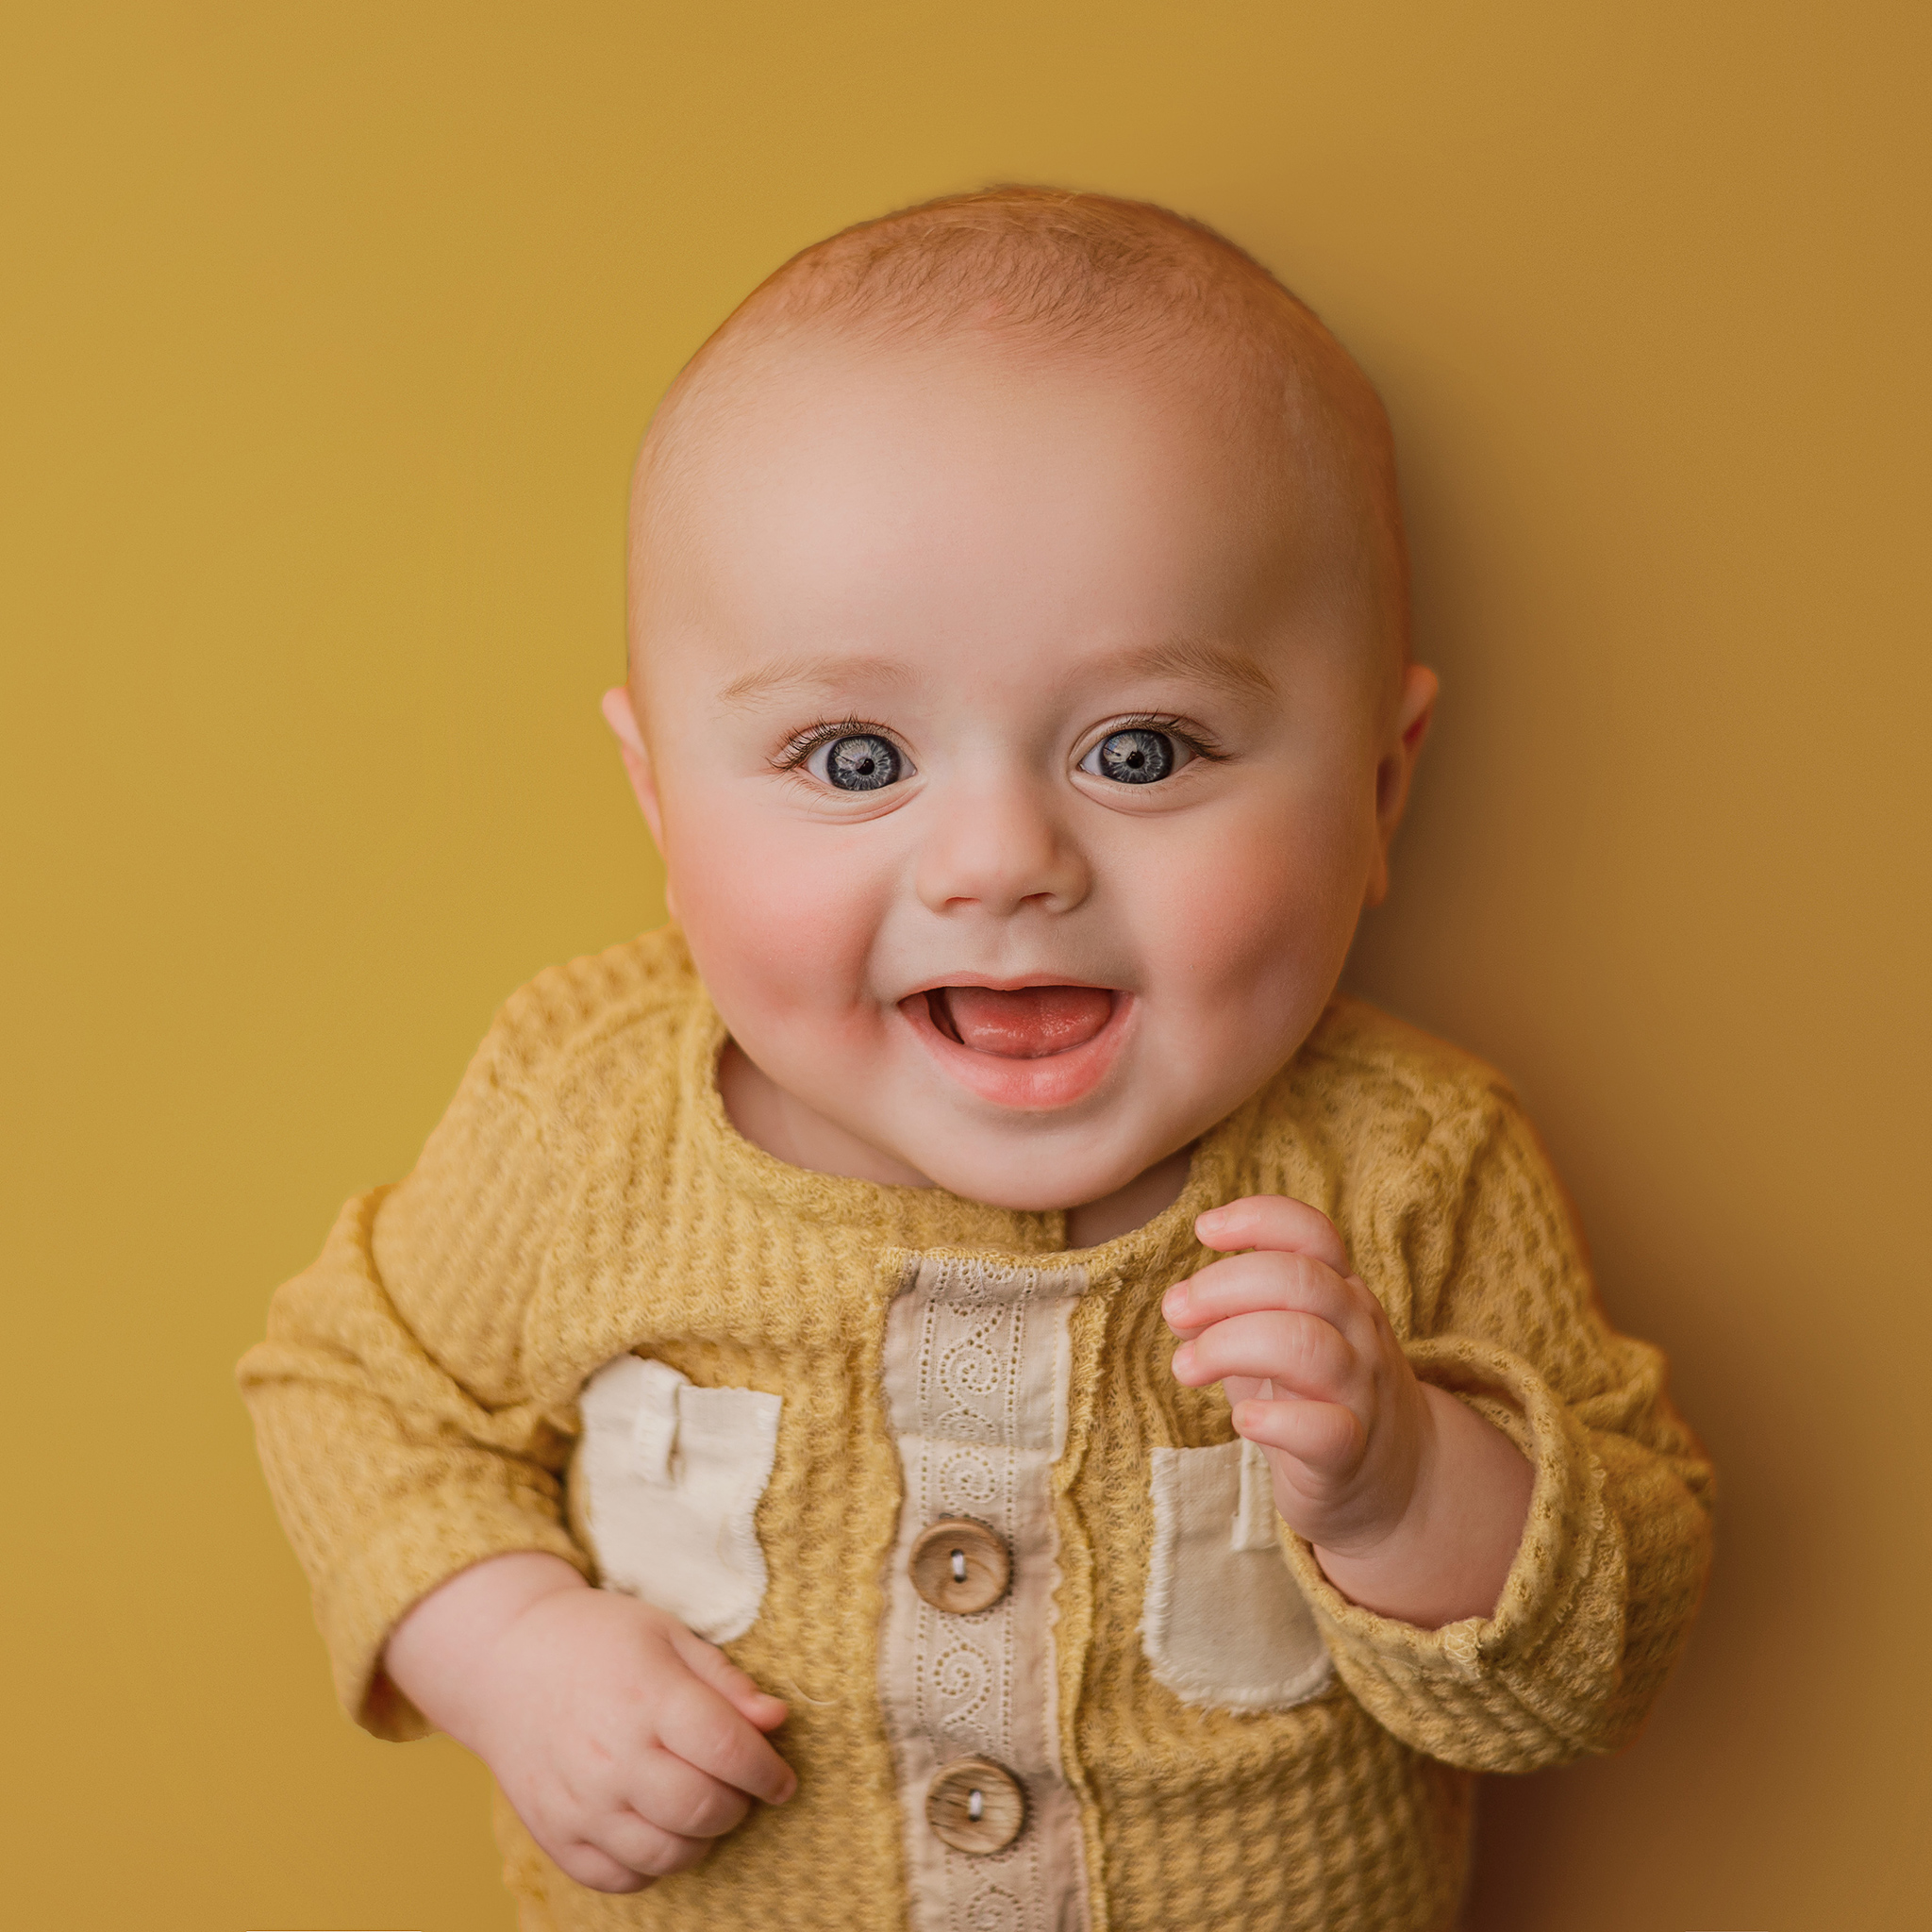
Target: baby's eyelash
[1203,744]
[801,745]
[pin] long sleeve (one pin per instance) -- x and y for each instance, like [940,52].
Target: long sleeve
[1612,1565]
[400,1443]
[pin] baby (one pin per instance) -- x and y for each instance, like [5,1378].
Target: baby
[1019,697]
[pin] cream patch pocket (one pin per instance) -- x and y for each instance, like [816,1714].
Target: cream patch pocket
[671,1476]
[1223,1623]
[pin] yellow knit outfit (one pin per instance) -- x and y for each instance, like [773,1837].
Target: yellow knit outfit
[417,1404]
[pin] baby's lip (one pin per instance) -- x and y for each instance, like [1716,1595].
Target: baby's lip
[1031,1052]
[1012,982]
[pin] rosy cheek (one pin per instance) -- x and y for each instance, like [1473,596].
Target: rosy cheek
[781,915]
[1261,917]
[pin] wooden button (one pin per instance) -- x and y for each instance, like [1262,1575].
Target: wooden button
[960,1566]
[976,1805]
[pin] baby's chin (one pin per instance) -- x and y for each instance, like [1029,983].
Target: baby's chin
[1035,1166]
[1035,1100]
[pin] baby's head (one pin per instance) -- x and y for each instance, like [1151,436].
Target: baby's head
[1019,689]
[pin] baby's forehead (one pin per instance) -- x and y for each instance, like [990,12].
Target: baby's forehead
[1067,569]
[838,473]
[830,456]
[833,397]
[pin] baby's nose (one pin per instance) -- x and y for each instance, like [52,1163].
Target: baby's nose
[999,850]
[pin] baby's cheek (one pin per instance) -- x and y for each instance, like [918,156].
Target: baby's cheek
[1262,917]
[782,923]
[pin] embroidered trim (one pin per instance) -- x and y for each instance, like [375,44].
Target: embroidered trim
[1224,1625]
[975,1372]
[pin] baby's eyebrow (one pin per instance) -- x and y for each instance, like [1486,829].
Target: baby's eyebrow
[813,674]
[1195,659]
[1192,660]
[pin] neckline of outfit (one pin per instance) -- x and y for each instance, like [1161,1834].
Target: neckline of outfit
[932,1220]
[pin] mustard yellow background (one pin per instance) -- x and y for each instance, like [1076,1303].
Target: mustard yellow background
[326,336]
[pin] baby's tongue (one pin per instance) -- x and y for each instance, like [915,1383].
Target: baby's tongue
[1027,1025]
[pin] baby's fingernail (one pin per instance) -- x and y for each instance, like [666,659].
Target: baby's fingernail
[1174,1302]
[1184,1358]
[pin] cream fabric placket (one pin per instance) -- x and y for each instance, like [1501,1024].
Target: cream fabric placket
[976,1371]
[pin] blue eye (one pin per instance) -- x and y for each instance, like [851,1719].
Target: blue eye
[1136,756]
[863,762]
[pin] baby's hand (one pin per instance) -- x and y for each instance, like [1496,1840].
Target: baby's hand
[624,1742]
[1414,1503]
[1312,1366]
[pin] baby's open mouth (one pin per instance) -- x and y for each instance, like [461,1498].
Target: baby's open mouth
[1027,1024]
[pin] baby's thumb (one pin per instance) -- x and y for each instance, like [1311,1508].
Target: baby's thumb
[709,1665]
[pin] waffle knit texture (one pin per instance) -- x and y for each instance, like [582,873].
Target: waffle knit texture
[415,1402]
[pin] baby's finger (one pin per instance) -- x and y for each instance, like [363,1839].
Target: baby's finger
[677,1797]
[705,1730]
[645,1848]
[1323,1436]
[597,1869]
[1246,1283]
[712,1666]
[1272,1221]
[1301,1354]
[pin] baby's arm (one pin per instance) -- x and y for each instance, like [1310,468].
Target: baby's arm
[1600,1578]
[624,1742]
[1414,1504]
[418,1473]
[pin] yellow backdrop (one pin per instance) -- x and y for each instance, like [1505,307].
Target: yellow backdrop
[328,332]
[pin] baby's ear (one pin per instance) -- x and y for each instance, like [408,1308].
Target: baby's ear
[1396,768]
[621,715]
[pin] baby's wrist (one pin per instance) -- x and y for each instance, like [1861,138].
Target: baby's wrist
[439,1654]
[1448,1553]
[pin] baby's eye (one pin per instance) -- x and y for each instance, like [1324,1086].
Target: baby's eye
[860,761]
[1137,756]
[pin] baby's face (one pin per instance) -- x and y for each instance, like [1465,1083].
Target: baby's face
[1020,759]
